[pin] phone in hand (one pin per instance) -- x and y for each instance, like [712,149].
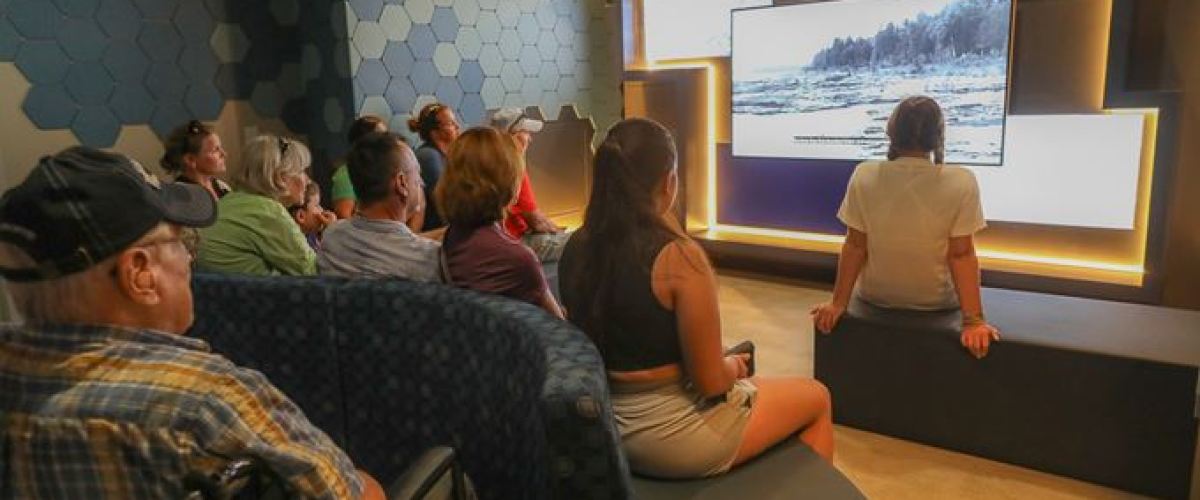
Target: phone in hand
[745,347]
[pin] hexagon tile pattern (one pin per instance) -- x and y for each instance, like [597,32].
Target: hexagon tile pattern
[476,55]
[96,65]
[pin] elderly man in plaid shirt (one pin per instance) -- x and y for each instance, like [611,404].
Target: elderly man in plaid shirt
[100,394]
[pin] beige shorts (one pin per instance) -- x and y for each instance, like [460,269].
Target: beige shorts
[669,430]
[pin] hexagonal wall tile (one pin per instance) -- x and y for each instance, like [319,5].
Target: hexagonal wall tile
[531,91]
[376,105]
[125,61]
[467,11]
[400,94]
[372,76]
[422,41]
[367,10]
[89,83]
[167,116]
[530,59]
[564,32]
[82,39]
[199,63]
[369,39]
[35,19]
[491,60]
[157,9]
[448,92]
[444,24]
[229,43]
[471,111]
[547,45]
[446,58]
[546,16]
[510,44]
[204,101]
[395,22]
[165,81]
[420,11]
[194,22]
[492,92]
[489,4]
[47,107]
[470,76]
[513,100]
[95,126]
[549,75]
[488,26]
[565,57]
[266,99]
[42,62]
[10,40]
[78,8]
[291,81]
[528,28]
[468,43]
[286,12]
[528,6]
[342,19]
[512,76]
[550,104]
[424,77]
[398,59]
[132,103]
[160,41]
[119,18]
[509,13]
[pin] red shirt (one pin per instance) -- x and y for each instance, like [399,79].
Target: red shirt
[515,224]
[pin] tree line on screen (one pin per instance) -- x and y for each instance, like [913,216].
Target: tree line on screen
[967,27]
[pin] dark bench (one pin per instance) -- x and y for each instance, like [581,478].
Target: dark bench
[1100,391]
[788,471]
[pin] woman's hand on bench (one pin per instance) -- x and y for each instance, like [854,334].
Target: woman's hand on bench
[977,337]
[825,316]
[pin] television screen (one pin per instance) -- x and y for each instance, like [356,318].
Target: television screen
[684,29]
[820,80]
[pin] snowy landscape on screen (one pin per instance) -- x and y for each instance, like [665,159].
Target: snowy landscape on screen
[820,80]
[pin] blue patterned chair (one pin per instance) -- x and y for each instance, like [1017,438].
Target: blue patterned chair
[392,368]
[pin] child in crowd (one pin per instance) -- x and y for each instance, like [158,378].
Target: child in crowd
[311,218]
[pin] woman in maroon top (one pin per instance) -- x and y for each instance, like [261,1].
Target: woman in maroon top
[482,177]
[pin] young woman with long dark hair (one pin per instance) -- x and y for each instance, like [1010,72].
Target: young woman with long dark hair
[647,296]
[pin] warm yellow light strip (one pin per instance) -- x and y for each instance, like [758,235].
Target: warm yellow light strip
[826,239]
[710,74]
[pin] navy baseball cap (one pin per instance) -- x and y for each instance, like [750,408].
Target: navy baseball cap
[83,205]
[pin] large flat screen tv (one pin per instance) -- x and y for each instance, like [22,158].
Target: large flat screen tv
[819,80]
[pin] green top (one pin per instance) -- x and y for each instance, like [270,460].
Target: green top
[254,235]
[342,188]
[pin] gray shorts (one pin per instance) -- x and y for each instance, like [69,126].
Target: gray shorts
[669,430]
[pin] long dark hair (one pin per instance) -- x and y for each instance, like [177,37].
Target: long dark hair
[621,221]
[917,124]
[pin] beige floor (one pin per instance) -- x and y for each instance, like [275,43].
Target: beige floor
[774,314]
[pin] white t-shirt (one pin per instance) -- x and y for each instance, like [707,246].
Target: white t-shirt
[910,208]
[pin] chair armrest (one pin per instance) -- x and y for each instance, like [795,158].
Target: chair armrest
[427,478]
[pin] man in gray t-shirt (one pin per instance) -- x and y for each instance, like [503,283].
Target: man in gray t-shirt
[376,242]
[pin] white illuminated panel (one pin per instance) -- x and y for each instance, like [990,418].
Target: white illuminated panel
[1066,170]
[685,29]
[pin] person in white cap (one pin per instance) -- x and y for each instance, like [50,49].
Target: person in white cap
[525,221]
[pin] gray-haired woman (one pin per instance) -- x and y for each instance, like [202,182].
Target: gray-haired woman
[254,234]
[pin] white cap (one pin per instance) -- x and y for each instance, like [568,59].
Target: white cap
[513,120]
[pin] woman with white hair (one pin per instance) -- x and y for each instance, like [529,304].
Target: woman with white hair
[254,234]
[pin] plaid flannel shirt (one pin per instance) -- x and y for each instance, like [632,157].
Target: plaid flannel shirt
[104,412]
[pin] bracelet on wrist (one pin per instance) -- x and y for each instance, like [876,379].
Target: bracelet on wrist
[973,319]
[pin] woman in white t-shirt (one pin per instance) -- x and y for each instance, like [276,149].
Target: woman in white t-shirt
[910,225]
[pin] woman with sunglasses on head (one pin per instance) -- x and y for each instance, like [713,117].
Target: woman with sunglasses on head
[254,233]
[438,128]
[193,154]
[910,225]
